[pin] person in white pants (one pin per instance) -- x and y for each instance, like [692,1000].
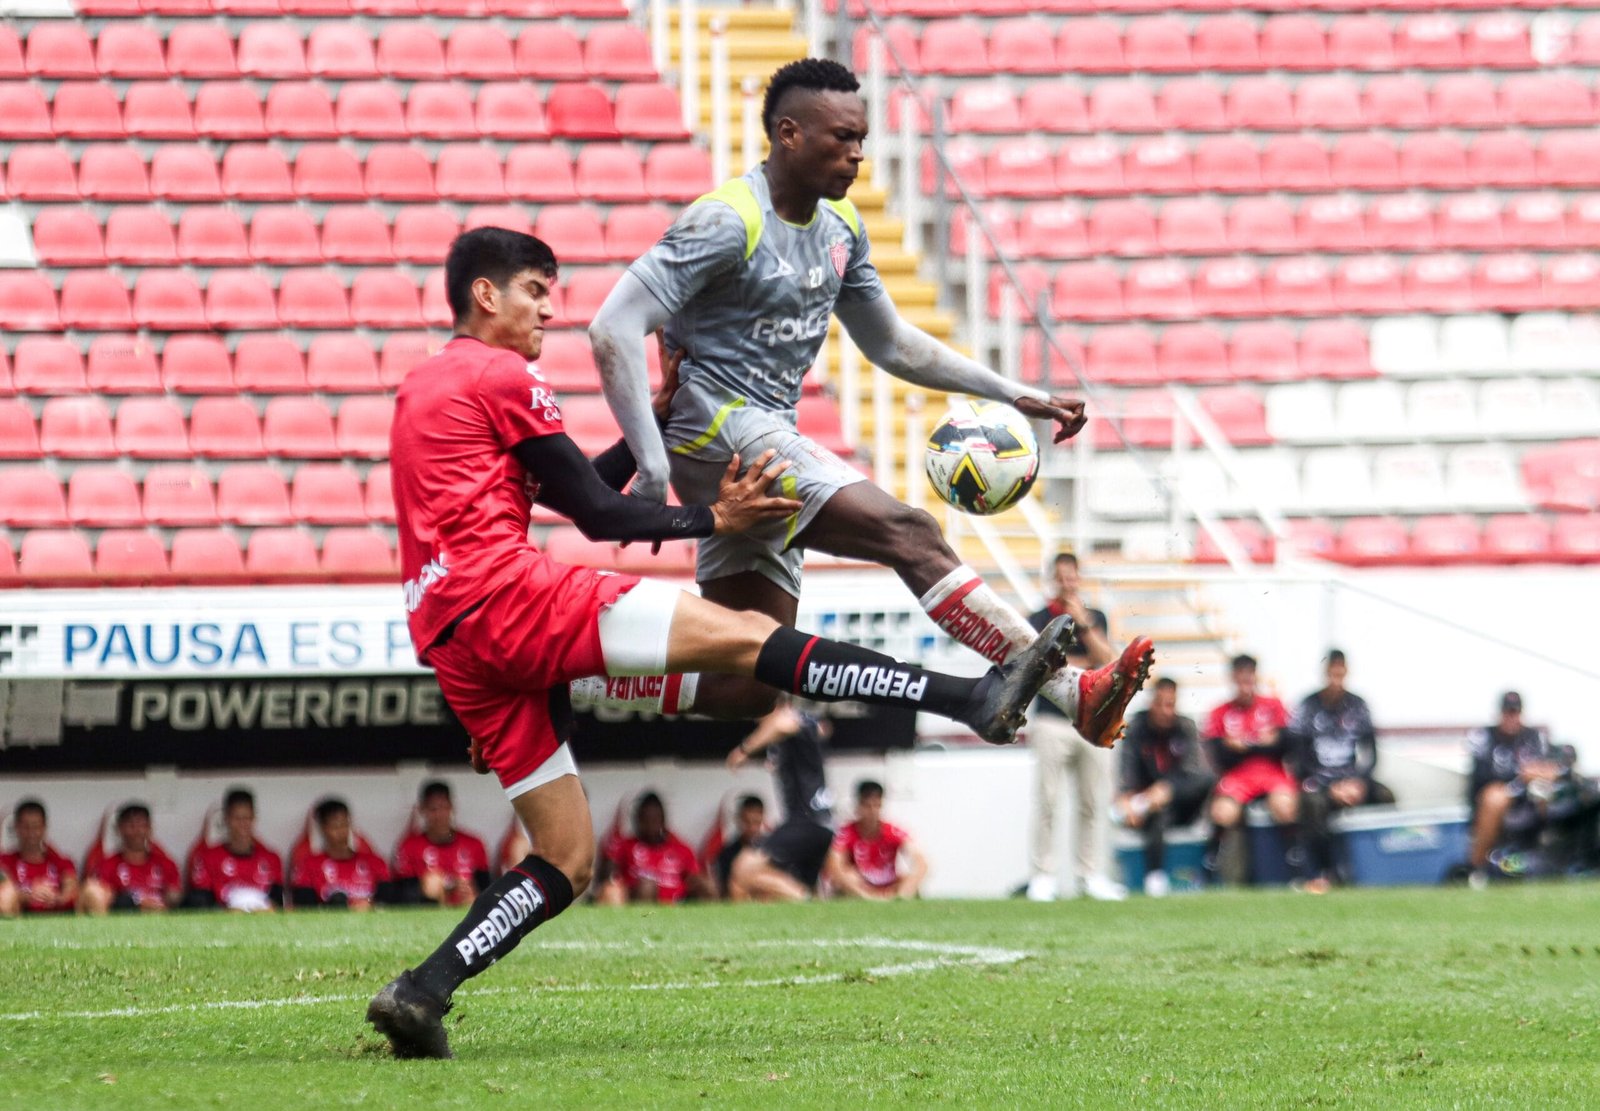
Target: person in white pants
[1060,750]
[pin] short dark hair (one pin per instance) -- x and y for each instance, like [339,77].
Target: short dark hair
[328,807]
[809,75]
[867,788]
[1166,684]
[1067,558]
[1243,662]
[434,787]
[29,804]
[238,797]
[649,798]
[494,253]
[132,810]
[752,802]
[1334,657]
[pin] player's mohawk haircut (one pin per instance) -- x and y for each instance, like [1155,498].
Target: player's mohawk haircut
[815,74]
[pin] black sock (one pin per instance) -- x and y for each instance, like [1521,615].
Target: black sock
[832,672]
[508,910]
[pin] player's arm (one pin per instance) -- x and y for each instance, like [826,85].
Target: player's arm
[571,486]
[909,353]
[616,465]
[781,724]
[706,239]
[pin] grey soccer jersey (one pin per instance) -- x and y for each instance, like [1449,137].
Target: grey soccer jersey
[751,297]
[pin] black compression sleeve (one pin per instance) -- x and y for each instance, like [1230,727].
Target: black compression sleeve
[615,465]
[569,484]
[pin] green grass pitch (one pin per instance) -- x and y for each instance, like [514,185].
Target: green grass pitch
[1436,998]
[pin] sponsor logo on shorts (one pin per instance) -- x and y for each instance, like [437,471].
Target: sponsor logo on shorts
[773,330]
[514,908]
[432,572]
[854,681]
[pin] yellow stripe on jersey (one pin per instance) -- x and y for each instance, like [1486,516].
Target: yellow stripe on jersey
[738,195]
[711,431]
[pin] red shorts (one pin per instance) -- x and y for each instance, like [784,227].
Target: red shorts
[505,669]
[1257,776]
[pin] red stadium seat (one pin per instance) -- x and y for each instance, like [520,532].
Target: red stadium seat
[298,427]
[97,301]
[151,428]
[356,234]
[1264,352]
[1193,353]
[956,47]
[1298,287]
[42,173]
[1230,42]
[1022,168]
[122,364]
[649,112]
[212,237]
[225,428]
[31,497]
[1018,46]
[1443,540]
[280,553]
[185,173]
[435,305]
[1334,349]
[130,555]
[482,52]
[1361,42]
[1123,355]
[178,494]
[269,364]
[618,52]
[240,299]
[1158,288]
[1052,229]
[568,364]
[327,494]
[1576,539]
[1569,158]
[196,364]
[1372,541]
[579,111]
[1260,104]
[1502,158]
[49,365]
[818,418]
[28,303]
[1122,228]
[113,173]
[631,230]
[363,426]
[1470,221]
[340,50]
[357,553]
[1329,103]
[1227,163]
[24,113]
[509,110]
[60,49]
[328,172]
[1256,543]
[1517,538]
[284,235]
[401,352]
[589,422]
[399,172]
[584,292]
[51,556]
[379,494]
[1546,100]
[1331,224]
[1192,104]
[313,299]
[440,110]
[1295,163]
[1465,100]
[1365,162]
[255,173]
[1158,166]
[341,364]
[19,437]
[370,110]
[68,237]
[540,172]
[609,172]
[1429,41]
[549,52]
[271,50]
[1228,287]
[84,110]
[1119,105]
[1262,224]
[469,173]
[157,110]
[1434,161]
[385,299]
[985,106]
[103,496]
[1439,283]
[76,428]
[1238,413]
[1572,281]
[1054,106]
[1087,291]
[1397,101]
[1292,42]
[1401,223]
[129,50]
[410,50]
[1159,44]
[423,233]
[205,555]
[300,110]
[11,64]
[253,494]
[140,237]
[1090,46]
[201,50]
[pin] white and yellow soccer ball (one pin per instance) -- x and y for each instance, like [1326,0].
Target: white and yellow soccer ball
[982,457]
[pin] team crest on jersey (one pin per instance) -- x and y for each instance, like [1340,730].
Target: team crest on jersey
[839,254]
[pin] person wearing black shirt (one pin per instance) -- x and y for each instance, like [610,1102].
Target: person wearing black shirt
[1164,778]
[750,821]
[1512,766]
[785,866]
[1059,751]
[1333,749]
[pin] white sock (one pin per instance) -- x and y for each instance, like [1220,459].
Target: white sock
[660,694]
[964,606]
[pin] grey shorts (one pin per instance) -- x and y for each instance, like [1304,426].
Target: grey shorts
[814,476]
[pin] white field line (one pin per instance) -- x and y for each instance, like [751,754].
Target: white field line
[941,955]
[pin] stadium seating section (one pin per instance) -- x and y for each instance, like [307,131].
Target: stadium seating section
[1365,237]
[228,219]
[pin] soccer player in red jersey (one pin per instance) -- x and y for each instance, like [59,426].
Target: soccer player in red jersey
[477,435]
[442,863]
[865,857]
[655,865]
[1247,748]
[346,873]
[240,873]
[47,881]
[141,876]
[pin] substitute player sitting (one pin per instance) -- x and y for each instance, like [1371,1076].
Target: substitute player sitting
[47,881]
[655,865]
[139,875]
[864,860]
[477,435]
[745,282]
[439,862]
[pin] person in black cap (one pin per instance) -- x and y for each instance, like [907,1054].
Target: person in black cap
[1512,765]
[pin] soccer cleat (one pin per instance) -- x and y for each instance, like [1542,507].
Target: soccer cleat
[411,1019]
[1104,693]
[999,705]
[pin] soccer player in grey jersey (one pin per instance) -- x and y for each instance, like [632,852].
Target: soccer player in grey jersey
[744,283]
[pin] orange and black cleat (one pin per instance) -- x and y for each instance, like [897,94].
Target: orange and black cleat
[1104,693]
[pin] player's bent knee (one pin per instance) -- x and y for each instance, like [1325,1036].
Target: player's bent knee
[914,534]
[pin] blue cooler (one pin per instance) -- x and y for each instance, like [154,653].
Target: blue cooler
[1186,849]
[1268,847]
[1385,845]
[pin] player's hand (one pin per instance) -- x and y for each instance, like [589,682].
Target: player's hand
[671,360]
[738,758]
[742,503]
[1066,412]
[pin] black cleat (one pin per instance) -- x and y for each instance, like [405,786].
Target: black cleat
[999,705]
[410,1018]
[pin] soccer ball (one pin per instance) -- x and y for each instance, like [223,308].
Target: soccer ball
[983,457]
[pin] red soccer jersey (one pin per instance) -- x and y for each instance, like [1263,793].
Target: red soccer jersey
[52,872]
[461,856]
[147,883]
[878,858]
[667,865]
[1250,722]
[356,878]
[461,498]
[217,870]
